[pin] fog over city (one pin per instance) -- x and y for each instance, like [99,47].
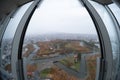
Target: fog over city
[61,16]
[60,43]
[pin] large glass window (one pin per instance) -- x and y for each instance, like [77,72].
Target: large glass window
[6,45]
[116,11]
[61,43]
[111,28]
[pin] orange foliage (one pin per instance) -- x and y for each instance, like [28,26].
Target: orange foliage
[49,47]
[91,63]
[58,74]
[30,49]
[8,67]
[31,68]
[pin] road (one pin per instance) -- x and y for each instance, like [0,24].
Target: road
[36,48]
[68,70]
[53,59]
[28,60]
[49,62]
[83,66]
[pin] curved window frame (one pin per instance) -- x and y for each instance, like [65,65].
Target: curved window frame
[116,32]
[3,27]
[102,32]
[114,16]
[72,72]
[104,46]
[106,60]
[115,12]
[18,40]
[3,31]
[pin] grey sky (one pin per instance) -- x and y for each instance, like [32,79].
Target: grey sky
[54,16]
[66,16]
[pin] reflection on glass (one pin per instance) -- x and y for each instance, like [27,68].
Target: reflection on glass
[110,26]
[61,42]
[8,38]
[116,11]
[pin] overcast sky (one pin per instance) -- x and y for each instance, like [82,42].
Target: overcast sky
[62,16]
[54,16]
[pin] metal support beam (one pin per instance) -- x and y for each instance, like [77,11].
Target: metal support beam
[18,41]
[104,2]
[106,48]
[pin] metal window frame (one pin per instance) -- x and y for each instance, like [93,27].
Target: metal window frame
[4,24]
[106,60]
[117,27]
[106,48]
[113,16]
[104,2]
[25,22]
[17,61]
[3,27]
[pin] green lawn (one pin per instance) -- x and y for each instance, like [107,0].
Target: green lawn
[45,72]
[69,62]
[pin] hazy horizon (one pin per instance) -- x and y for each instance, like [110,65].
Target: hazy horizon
[61,16]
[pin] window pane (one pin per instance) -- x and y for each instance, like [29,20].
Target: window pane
[116,11]
[112,34]
[8,36]
[61,42]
